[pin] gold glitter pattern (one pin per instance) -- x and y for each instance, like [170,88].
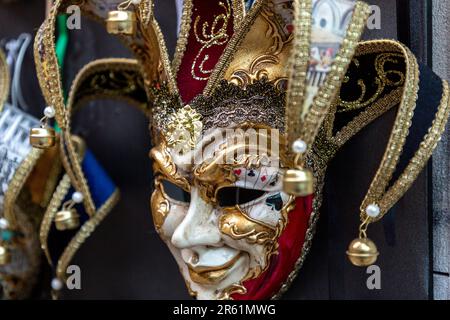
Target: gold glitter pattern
[111,78]
[216,36]
[417,162]
[298,67]
[230,50]
[384,78]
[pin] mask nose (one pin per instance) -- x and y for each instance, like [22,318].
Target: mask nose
[199,227]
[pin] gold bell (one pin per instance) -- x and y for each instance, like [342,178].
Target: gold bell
[362,252]
[121,22]
[67,219]
[298,182]
[5,256]
[42,138]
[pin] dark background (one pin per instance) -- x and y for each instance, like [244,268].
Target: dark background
[125,259]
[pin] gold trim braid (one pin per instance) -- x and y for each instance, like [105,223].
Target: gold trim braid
[420,158]
[47,65]
[53,207]
[50,82]
[298,68]
[327,145]
[238,13]
[185,27]
[85,231]
[398,135]
[327,93]
[110,78]
[17,182]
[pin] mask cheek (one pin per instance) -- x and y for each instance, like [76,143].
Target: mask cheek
[244,233]
[173,219]
[166,215]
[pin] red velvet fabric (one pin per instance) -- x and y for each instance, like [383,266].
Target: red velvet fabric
[188,86]
[290,248]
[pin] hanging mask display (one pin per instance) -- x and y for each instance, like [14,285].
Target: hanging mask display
[41,207]
[67,221]
[243,231]
[258,99]
[85,194]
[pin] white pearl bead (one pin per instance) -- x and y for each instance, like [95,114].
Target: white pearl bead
[299,146]
[136,2]
[4,224]
[373,210]
[77,197]
[49,112]
[57,284]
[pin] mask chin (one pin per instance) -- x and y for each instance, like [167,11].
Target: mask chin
[208,281]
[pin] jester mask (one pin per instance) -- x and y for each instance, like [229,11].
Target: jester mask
[222,144]
[248,78]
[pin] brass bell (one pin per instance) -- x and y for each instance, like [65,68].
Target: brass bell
[5,256]
[121,22]
[43,137]
[298,182]
[362,252]
[67,219]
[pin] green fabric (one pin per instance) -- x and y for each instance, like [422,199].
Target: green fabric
[61,48]
[63,40]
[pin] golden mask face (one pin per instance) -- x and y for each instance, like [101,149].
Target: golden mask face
[220,220]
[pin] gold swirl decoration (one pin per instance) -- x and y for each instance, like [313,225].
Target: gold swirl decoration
[259,57]
[160,205]
[386,78]
[256,72]
[163,164]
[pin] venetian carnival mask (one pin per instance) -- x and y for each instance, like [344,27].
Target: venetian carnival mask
[219,202]
[243,124]
[220,206]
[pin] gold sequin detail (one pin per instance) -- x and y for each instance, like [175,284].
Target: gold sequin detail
[216,36]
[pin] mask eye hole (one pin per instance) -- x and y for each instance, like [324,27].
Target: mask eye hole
[174,192]
[231,196]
